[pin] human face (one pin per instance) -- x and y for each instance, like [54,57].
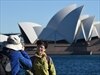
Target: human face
[41,48]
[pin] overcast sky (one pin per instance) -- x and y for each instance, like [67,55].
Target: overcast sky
[37,11]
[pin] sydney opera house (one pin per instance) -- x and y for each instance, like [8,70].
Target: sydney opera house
[68,24]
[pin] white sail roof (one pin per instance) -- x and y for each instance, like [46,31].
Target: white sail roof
[30,30]
[96,29]
[67,24]
[60,24]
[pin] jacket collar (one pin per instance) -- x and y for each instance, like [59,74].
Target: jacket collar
[40,56]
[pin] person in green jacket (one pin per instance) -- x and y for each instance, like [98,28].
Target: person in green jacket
[42,64]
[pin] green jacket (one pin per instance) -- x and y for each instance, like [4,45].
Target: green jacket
[42,65]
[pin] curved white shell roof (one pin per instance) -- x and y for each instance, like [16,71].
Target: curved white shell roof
[30,30]
[62,25]
[67,24]
[58,17]
[96,30]
[84,29]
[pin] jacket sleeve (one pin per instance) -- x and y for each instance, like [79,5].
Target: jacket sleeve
[14,59]
[52,70]
[25,59]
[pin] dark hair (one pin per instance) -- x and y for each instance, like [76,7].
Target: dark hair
[40,42]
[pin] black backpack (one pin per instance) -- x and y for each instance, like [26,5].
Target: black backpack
[4,62]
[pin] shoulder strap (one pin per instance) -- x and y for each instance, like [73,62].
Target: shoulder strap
[48,59]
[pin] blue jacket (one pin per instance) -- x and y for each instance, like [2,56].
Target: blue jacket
[19,60]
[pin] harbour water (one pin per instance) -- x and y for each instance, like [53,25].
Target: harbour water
[77,64]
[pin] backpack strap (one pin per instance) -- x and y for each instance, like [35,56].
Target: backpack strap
[48,59]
